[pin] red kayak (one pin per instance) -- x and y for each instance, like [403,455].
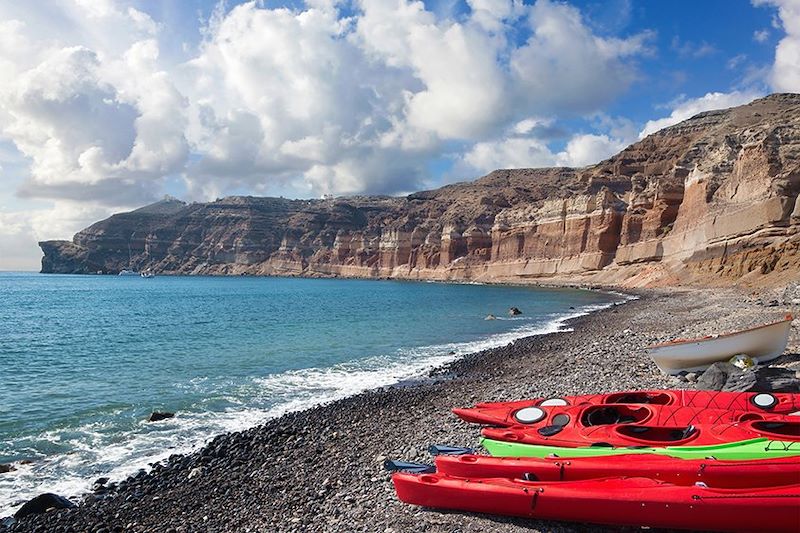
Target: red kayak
[511,413]
[583,419]
[615,501]
[719,474]
[620,435]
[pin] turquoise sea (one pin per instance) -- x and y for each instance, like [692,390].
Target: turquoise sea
[85,359]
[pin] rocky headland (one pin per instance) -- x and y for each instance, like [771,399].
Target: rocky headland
[712,199]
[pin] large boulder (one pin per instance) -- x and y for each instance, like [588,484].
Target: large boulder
[40,504]
[729,378]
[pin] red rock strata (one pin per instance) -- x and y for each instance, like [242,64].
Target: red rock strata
[712,199]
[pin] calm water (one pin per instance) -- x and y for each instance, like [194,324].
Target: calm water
[85,359]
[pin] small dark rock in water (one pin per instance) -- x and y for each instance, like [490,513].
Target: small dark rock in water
[42,503]
[513,311]
[159,415]
[6,468]
[101,481]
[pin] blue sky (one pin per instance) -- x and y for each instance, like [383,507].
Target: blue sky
[106,105]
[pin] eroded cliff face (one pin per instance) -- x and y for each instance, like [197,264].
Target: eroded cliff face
[712,199]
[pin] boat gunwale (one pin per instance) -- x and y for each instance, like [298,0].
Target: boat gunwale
[677,342]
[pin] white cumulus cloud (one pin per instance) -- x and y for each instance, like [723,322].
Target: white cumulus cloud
[522,148]
[687,108]
[785,74]
[95,116]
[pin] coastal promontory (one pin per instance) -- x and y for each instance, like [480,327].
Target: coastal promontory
[710,200]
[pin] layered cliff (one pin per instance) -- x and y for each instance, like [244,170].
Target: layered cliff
[713,198]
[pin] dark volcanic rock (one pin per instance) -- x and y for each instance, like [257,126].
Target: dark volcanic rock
[514,311]
[4,467]
[729,378]
[43,502]
[155,416]
[715,376]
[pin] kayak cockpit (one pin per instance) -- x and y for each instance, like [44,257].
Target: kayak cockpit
[658,435]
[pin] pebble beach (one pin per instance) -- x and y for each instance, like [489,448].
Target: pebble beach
[322,469]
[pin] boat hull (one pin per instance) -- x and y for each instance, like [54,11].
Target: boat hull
[502,413]
[762,344]
[689,431]
[719,474]
[615,501]
[760,448]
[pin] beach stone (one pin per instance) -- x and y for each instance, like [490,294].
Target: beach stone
[155,416]
[791,296]
[6,467]
[715,376]
[42,503]
[691,377]
[514,311]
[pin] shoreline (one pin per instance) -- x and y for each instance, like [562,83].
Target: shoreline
[76,485]
[271,477]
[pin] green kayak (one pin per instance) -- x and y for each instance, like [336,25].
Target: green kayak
[761,448]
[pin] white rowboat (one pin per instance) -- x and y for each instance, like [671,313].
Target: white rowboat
[762,343]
